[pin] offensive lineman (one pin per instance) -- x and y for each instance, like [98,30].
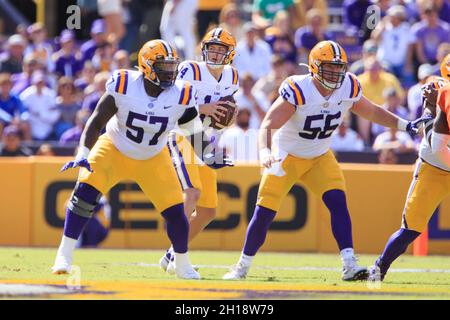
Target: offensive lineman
[213,79]
[309,109]
[431,182]
[139,108]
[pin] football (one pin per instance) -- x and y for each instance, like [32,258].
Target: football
[225,120]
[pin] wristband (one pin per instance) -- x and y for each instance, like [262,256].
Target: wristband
[82,153]
[402,124]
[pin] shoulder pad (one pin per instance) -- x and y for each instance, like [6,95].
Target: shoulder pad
[291,91]
[190,70]
[118,82]
[355,86]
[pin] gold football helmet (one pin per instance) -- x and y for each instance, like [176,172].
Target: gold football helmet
[219,36]
[445,67]
[158,61]
[328,64]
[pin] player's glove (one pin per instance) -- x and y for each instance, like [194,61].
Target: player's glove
[217,160]
[413,126]
[80,161]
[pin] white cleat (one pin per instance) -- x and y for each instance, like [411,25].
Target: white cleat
[170,267]
[62,265]
[352,272]
[237,272]
[164,263]
[375,274]
[184,272]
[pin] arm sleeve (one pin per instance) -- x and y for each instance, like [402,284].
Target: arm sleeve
[188,115]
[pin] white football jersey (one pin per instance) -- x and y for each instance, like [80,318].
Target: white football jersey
[425,151]
[140,127]
[307,134]
[208,88]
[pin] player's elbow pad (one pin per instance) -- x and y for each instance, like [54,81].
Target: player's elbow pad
[439,145]
[191,127]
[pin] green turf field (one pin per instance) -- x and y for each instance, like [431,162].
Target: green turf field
[134,274]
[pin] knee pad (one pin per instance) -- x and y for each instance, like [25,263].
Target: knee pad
[84,200]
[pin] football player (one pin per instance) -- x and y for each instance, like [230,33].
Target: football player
[441,128]
[214,78]
[431,180]
[310,107]
[139,108]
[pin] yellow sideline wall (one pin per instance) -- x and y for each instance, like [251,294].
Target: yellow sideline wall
[34,192]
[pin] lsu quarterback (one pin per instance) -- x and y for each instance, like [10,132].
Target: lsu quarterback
[294,143]
[213,78]
[431,179]
[139,108]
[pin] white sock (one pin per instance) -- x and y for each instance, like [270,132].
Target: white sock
[181,259]
[245,260]
[67,247]
[347,255]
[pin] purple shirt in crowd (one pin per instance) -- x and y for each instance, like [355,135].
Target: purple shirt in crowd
[90,101]
[71,135]
[431,38]
[67,66]
[88,50]
[355,12]
[283,46]
[444,13]
[304,38]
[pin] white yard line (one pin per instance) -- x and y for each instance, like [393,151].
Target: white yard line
[407,270]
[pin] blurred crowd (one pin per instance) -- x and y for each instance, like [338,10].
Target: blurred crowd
[49,86]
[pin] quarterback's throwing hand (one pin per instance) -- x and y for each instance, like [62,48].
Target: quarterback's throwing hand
[77,163]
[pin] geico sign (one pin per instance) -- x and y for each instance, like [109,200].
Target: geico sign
[232,219]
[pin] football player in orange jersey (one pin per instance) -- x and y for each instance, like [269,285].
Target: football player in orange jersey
[441,129]
[431,181]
